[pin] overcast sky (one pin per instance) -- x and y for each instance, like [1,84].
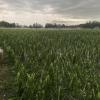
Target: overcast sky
[42,11]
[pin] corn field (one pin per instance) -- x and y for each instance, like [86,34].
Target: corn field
[52,64]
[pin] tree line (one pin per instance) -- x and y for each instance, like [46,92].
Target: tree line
[8,25]
[90,24]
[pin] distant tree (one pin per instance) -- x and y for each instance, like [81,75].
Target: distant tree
[49,25]
[30,26]
[36,25]
[90,24]
[6,24]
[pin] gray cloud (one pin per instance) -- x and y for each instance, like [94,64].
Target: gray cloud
[76,9]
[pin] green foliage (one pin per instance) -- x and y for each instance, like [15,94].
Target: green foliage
[53,64]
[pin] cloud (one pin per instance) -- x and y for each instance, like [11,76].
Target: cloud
[73,11]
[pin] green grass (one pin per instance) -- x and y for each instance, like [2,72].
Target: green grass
[52,64]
